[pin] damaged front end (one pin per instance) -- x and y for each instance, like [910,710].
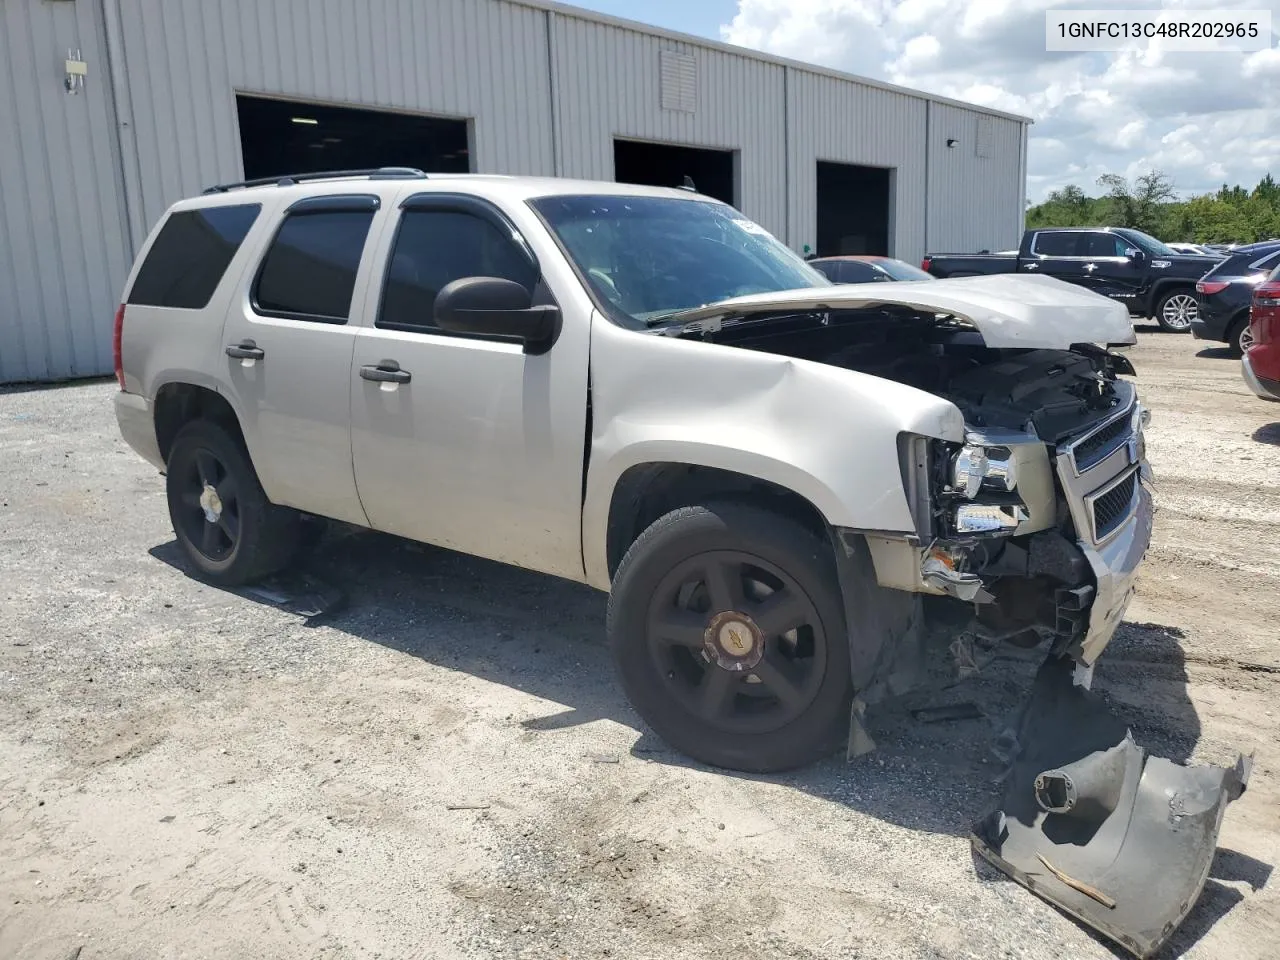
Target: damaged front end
[1028,530]
[1037,530]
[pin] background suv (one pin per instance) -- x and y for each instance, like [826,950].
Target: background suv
[1225,292]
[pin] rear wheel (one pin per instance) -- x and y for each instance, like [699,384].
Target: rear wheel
[224,523]
[727,627]
[1241,338]
[1176,310]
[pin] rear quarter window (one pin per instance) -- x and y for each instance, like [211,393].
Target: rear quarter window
[190,254]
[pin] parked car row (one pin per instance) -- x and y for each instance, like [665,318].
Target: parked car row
[1150,278]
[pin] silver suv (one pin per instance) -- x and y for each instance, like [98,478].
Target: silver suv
[795,492]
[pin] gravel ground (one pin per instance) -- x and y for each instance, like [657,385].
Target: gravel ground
[445,768]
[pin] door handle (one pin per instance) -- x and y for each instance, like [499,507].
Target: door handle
[385,371]
[1031,266]
[245,350]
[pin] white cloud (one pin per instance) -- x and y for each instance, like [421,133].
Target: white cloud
[1203,118]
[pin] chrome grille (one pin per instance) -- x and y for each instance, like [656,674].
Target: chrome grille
[1111,506]
[1100,471]
[1100,444]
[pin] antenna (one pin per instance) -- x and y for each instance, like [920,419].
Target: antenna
[688,184]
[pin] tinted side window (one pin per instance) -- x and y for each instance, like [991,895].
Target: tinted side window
[855,271]
[1104,245]
[1055,243]
[309,271]
[190,255]
[435,247]
[829,269]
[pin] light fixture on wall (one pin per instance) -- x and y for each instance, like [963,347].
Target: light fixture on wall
[952,143]
[76,71]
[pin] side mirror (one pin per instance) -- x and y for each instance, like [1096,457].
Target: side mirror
[1134,254]
[490,306]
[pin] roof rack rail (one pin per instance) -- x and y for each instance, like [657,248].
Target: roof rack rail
[373,173]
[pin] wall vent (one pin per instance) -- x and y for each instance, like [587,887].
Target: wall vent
[982,142]
[679,81]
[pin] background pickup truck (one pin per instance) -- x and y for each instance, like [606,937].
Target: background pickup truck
[1148,277]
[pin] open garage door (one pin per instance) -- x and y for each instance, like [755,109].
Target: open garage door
[853,209]
[281,136]
[666,165]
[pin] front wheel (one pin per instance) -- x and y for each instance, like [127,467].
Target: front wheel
[727,628]
[1176,310]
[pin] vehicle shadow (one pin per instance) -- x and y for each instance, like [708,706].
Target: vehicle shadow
[1268,434]
[546,637]
[1217,353]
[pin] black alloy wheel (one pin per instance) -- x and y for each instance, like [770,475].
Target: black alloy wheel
[727,627]
[741,645]
[228,529]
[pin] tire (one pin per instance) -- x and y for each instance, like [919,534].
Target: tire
[1176,309]
[796,710]
[251,537]
[1240,339]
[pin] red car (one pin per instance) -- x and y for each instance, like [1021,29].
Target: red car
[1261,364]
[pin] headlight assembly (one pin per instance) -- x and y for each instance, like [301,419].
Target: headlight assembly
[977,468]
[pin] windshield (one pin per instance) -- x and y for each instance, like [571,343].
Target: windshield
[902,271]
[1147,242]
[649,257]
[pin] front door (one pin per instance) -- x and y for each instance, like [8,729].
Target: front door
[1109,267]
[287,353]
[465,442]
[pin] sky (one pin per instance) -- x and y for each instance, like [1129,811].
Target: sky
[1202,118]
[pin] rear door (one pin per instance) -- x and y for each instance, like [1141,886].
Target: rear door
[287,352]
[1056,253]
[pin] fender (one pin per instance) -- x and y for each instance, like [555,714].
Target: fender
[825,433]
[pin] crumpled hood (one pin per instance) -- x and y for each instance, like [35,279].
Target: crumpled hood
[1009,310]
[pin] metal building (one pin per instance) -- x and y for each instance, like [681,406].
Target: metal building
[110,110]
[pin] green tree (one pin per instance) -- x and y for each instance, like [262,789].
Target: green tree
[1138,206]
[1232,214]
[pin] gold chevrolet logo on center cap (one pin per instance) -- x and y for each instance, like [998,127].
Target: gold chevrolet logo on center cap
[737,642]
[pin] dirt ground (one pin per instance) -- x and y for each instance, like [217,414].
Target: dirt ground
[445,767]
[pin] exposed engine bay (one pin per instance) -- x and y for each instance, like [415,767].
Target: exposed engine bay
[1037,523]
[1055,392]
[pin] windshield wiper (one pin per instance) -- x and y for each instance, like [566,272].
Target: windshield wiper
[673,317]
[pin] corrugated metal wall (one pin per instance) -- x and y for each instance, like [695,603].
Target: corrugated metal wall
[975,202]
[546,90]
[63,249]
[462,58]
[607,80]
[835,120]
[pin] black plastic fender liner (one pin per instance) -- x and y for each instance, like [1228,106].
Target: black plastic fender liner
[1120,840]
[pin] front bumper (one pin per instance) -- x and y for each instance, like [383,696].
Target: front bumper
[1107,485]
[1261,386]
[1117,838]
[1115,568]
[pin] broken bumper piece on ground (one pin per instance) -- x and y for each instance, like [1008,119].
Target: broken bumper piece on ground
[1120,840]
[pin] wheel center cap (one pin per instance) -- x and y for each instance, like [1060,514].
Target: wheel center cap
[733,642]
[210,503]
